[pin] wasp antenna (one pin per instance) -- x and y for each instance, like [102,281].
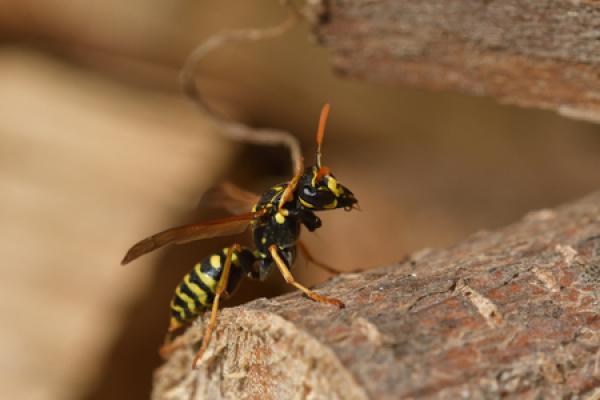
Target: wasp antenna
[321,131]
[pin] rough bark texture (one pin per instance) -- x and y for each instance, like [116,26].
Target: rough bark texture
[542,53]
[514,312]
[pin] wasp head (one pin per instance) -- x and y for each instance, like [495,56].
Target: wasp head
[319,190]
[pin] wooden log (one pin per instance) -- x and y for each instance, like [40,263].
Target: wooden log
[542,53]
[514,312]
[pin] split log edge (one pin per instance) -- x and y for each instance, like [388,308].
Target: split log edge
[511,312]
[543,53]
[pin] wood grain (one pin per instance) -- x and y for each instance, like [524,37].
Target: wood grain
[543,53]
[514,312]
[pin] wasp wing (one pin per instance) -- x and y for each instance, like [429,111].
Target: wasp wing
[189,233]
[229,197]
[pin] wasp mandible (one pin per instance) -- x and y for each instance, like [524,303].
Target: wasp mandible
[275,220]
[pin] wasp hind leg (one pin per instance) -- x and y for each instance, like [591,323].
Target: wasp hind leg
[220,291]
[171,344]
[289,278]
[172,341]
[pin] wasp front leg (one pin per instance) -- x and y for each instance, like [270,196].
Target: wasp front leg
[289,278]
[288,193]
[308,218]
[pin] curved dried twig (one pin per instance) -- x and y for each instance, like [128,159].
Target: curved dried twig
[232,129]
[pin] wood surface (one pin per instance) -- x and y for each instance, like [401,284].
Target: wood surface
[542,53]
[515,312]
[87,167]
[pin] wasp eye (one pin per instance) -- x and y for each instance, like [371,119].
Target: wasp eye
[308,191]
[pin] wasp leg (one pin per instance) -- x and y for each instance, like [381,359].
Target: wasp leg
[288,193]
[170,346]
[289,278]
[311,259]
[221,286]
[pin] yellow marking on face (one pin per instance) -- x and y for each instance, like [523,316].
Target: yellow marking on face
[215,261]
[259,254]
[306,204]
[191,304]
[278,188]
[279,218]
[202,296]
[313,181]
[263,240]
[333,186]
[333,204]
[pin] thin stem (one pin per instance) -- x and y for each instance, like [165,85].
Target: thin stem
[232,129]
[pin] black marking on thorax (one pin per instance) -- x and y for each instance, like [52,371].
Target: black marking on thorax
[275,227]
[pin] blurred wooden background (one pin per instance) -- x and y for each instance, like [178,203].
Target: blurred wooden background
[98,149]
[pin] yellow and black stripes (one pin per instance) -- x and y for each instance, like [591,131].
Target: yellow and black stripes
[196,292]
[317,190]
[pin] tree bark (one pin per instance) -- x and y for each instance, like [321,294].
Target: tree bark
[509,313]
[543,53]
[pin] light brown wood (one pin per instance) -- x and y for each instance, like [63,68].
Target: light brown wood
[87,166]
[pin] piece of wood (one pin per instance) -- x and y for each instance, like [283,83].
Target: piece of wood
[514,312]
[542,53]
[87,167]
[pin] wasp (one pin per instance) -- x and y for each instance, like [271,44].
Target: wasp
[275,218]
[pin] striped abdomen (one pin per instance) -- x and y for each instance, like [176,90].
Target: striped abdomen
[196,292]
